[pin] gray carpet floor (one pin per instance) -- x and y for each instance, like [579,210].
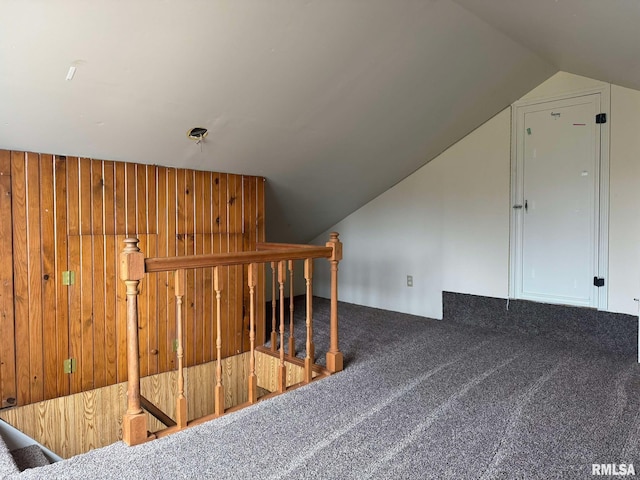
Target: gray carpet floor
[419,398]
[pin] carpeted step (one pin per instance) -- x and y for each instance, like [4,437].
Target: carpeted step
[29,457]
[7,463]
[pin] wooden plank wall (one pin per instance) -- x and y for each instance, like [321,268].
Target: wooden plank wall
[72,214]
[7,332]
[267,372]
[80,422]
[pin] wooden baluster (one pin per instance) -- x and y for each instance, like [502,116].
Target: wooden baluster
[181,401]
[292,342]
[334,355]
[274,340]
[219,390]
[253,379]
[134,422]
[282,370]
[308,361]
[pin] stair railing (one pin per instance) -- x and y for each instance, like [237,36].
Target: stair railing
[133,266]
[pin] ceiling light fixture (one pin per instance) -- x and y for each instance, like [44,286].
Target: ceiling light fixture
[197,134]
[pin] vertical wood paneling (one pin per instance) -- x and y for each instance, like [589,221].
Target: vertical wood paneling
[109,197]
[110,280]
[131,213]
[181,227]
[48,242]
[231,293]
[164,343]
[152,204]
[248,243]
[20,276]
[7,331]
[85,209]
[236,283]
[143,309]
[143,298]
[152,310]
[86,410]
[141,199]
[99,264]
[120,189]
[217,226]
[200,207]
[84,280]
[223,239]
[172,225]
[181,220]
[188,236]
[61,265]
[5,163]
[73,196]
[36,367]
[74,265]
[77,423]
[267,372]
[207,274]
[97,197]
[153,319]
[99,313]
[72,214]
[121,316]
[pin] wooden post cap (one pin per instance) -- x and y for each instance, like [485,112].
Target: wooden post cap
[335,243]
[131,261]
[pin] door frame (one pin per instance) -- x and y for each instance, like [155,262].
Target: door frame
[515,224]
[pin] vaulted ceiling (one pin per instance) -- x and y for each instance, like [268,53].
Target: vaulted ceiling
[333,101]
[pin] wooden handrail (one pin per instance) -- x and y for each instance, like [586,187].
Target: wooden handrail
[165,264]
[270,246]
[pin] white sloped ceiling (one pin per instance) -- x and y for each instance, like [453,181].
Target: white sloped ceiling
[332,101]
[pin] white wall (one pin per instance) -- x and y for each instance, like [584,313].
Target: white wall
[448,223]
[624,220]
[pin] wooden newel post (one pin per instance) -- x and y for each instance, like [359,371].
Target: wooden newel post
[134,422]
[334,355]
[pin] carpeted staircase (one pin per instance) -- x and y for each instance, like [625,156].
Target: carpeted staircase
[20,459]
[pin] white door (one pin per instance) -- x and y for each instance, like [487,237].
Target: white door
[556,209]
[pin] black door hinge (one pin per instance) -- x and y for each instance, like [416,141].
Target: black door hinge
[601,118]
[598,281]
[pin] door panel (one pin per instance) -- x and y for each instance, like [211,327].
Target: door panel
[558,166]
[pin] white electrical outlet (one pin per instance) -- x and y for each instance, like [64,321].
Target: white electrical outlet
[409,280]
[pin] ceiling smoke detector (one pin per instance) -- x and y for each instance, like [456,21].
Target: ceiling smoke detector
[197,134]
